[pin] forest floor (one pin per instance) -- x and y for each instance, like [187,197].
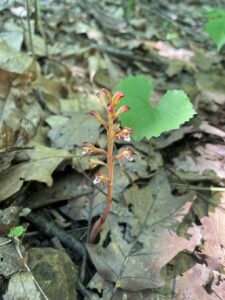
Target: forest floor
[165,235]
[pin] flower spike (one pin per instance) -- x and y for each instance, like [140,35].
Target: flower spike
[113,128]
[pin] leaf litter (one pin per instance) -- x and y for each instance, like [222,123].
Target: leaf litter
[158,242]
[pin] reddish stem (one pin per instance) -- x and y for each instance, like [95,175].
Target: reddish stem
[110,165]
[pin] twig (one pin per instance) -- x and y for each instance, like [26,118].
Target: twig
[39,25]
[5,243]
[50,229]
[29,28]
[197,193]
[199,188]
[11,149]
[129,54]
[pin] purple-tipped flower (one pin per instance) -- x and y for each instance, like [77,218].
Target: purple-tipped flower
[87,149]
[126,153]
[125,134]
[128,157]
[96,180]
[100,178]
[127,138]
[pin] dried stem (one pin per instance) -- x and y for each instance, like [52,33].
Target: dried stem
[29,29]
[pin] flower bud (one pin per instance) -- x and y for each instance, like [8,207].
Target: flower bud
[107,94]
[101,98]
[110,108]
[117,97]
[98,118]
[96,162]
[121,110]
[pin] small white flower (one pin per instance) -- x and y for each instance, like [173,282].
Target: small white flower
[128,157]
[96,180]
[127,138]
[85,151]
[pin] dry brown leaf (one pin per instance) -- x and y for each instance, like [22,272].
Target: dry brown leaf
[189,286]
[41,163]
[218,286]
[211,158]
[214,236]
[137,266]
[62,189]
[67,132]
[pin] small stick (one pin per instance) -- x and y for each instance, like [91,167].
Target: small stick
[29,29]
[50,229]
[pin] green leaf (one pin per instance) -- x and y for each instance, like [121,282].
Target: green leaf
[215,13]
[16,232]
[216,29]
[147,120]
[215,26]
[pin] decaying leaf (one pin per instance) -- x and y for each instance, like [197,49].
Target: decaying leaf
[157,214]
[218,286]
[211,158]
[78,209]
[67,187]
[212,87]
[9,217]
[107,291]
[40,165]
[22,286]
[190,286]
[70,131]
[9,258]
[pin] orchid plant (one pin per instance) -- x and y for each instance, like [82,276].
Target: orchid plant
[145,119]
[114,131]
